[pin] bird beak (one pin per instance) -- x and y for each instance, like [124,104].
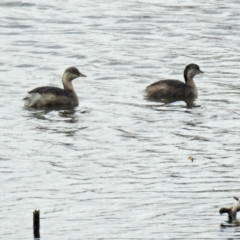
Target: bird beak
[82,75]
[200,71]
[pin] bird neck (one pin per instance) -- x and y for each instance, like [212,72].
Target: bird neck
[67,82]
[190,82]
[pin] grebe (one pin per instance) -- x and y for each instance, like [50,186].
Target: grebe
[54,96]
[231,211]
[168,91]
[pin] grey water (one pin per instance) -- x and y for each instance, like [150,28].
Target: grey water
[117,166]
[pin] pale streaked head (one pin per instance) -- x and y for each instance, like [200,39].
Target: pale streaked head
[191,70]
[72,73]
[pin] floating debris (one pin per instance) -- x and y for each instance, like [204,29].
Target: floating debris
[190,158]
[232,214]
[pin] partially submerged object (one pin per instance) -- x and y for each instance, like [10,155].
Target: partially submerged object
[232,214]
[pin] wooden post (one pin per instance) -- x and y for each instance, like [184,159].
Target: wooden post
[36,224]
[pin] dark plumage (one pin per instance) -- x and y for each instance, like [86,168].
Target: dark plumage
[73,70]
[54,96]
[168,91]
[51,90]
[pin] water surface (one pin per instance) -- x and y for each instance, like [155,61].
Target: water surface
[117,166]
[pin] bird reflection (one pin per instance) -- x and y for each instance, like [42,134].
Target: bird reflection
[67,113]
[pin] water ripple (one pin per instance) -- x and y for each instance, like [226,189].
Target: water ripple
[118,166]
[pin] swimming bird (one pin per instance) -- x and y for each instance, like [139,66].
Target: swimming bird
[231,211]
[168,91]
[54,96]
